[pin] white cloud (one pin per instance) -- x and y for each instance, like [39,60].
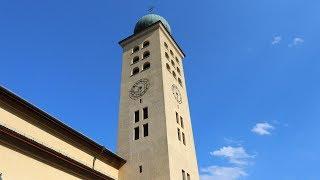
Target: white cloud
[276,40]
[296,41]
[222,173]
[235,155]
[262,128]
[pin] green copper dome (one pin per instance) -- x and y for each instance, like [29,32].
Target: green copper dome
[148,20]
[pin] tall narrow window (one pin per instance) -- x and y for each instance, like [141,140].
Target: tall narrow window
[171,52]
[173,64]
[135,49]
[181,122]
[146,44]
[136,116]
[168,67]
[145,113]
[167,56]
[165,45]
[136,133]
[183,139]
[145,130]
[179,81]
[177,117]
[140,169]
[188,176]
[177,60]
[183,175]
[179,136]
[174,75]
[178,70]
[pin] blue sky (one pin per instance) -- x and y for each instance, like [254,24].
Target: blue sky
[252,72]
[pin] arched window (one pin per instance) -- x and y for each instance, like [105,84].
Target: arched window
[179,81]
[168,67]
[146,44]
[146,54]
[167,56]
[146,65]
[171,52]
[135,59]
[172,63]
[174,74]
[177,60]
[135,71]
[165,45]
[135,49]
[178,70]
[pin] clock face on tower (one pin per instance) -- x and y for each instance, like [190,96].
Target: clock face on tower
[176,93]
[139,88]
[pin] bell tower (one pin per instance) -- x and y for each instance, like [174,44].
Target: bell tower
[155,133]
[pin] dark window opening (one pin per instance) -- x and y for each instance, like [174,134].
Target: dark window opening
[165,45]
[136,133]
[135,49]
[145,113]
[174,74]
[146,65]
[177,60]
[136,116]
[178,70]
[181,122]
[173,64]
[171,52]
[145,130]
[140,169]
[167,56]
[179,136]
[179,81]
[183,139]
[135,59]
[135,71]
[146,54]
[168,67]
[183,175]
[146,44]
[177,117]
[188,176]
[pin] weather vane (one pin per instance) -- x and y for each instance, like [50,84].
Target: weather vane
[151,9]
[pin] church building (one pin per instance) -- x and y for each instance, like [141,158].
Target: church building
[155,138]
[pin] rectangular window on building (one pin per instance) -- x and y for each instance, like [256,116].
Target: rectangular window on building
[179,136]
[181,122]
[145,113]
[177,117]
[140,169]
[136,133]
[183,175]
[188,176]
[183,139]
[145,130]
[136,116]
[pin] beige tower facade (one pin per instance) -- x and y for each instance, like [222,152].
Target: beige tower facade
[155,132]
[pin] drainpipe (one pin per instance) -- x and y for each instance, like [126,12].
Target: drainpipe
[94,158]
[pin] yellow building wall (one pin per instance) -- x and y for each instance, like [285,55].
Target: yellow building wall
[30,131]
[16,166]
